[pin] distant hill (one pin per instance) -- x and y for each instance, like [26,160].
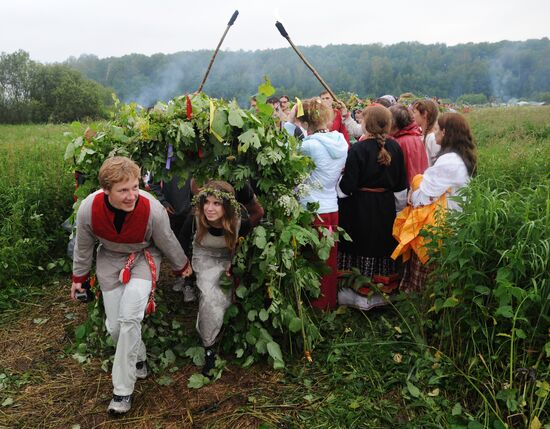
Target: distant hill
[500,70]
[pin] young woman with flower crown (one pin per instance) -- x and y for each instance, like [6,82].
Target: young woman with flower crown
[214,229]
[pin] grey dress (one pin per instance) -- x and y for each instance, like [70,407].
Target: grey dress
[211,259]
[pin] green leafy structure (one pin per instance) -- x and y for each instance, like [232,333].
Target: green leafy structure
[278,266]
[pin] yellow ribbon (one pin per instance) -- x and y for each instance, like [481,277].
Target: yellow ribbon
[299,108]
[212,111]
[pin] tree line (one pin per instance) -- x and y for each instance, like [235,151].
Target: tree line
[34,92]
[499,71]
[81,87]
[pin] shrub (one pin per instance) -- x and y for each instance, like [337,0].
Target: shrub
[33,92]
[472,99]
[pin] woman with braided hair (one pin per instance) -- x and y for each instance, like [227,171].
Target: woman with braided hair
[375,169]
[214,229]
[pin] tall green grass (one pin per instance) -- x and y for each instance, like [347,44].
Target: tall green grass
[489,298]
[513,145]
[35,198]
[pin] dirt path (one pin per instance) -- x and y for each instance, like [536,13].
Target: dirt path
[50,389]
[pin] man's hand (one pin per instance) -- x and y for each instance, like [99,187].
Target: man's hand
[343,109]
[292,114]
[169,209]
[188,271]
[76,287]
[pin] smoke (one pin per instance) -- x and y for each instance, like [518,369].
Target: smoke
[183,73]
[167,83]
[503,74]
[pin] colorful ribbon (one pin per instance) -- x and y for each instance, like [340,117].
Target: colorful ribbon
[169,156]
[299,108]
[212,111]
[126,274]
[189,107]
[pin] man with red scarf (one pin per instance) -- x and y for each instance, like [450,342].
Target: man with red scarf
[133,231]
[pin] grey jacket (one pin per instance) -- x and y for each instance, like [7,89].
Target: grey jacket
[150,229]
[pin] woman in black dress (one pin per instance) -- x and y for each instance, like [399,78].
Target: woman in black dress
[375,169]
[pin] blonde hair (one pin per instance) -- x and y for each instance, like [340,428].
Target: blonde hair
[377,121]
[316,114]
[226,194]
[117,169]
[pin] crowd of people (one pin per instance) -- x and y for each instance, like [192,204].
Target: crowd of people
[381,173]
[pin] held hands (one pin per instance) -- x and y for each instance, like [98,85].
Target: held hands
[76,287]
[228,270]
[169,209]
[188,271]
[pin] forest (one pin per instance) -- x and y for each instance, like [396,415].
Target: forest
[500,71]
[81,88]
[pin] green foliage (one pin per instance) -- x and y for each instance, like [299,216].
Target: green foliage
[492,294]
[479,358]
[370,373]
[277,266]
[32,92]
[474,99]
[35,198]
[543,96]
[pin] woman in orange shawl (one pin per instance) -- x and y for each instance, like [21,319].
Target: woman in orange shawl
[430,193]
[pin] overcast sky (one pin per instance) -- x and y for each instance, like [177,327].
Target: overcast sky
[53,30]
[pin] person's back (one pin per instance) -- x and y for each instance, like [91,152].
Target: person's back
[410,140]
[328,151]
[409,136]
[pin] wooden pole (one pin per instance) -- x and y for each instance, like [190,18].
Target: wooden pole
[229,24]
[287,37]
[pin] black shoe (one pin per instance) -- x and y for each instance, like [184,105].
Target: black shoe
[141,370]
[120,404]
[209,362]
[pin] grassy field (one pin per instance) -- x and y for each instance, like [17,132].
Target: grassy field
[482,360]
[36,197]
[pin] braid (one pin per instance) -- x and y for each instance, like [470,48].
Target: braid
[377,122]
[384,157]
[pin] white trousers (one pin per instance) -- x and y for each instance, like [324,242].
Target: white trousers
[125,308]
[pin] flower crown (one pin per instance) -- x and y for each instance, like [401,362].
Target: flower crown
[220,195]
